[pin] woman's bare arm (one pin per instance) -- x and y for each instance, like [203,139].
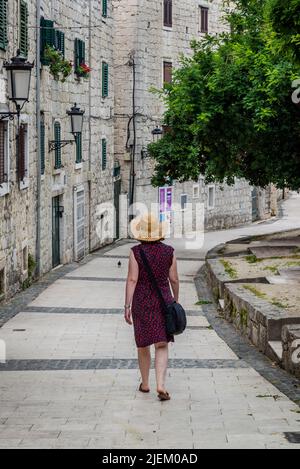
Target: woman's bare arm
[174,279]
[132,278]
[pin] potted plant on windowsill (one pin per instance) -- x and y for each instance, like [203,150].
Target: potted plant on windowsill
[83,71]
[59,68]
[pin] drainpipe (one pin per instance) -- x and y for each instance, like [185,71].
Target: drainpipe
[38,134]
[90,128]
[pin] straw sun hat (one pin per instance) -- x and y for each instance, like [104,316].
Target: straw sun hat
[147,228]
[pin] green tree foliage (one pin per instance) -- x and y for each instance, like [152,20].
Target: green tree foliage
[229,110]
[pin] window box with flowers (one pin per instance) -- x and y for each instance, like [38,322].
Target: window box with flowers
[83,71]
[59,68]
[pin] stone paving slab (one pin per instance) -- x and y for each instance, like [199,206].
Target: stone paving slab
[59,336]
[103,408]
[118,364]
[67,294]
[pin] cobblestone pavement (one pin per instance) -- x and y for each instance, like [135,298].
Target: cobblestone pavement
[71,376]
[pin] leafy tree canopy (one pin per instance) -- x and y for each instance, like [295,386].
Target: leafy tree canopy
[229,110]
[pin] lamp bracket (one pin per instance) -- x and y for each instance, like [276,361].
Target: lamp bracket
[8,115]
[53,145]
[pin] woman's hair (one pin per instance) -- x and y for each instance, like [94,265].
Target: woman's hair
[151,242]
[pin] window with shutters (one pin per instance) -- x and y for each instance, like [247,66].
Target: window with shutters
[203,19]
[78,148]
[79,56]
[104,80]
[23,28]
[23,156]
[4,158]
[43,149]
[183,201]
[57,152]
[59,42]
[3,24]
[168,21]
[104,8]
[168,66]
[51,37]
[104,154]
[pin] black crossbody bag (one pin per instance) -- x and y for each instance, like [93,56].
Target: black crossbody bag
[174,313]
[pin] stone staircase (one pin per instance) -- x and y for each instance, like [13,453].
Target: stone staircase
[273,326]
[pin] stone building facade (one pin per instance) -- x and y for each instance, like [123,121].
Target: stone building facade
[149,37]
[76,180]
[56,208]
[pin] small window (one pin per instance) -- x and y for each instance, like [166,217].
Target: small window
[42,143]
[57,138]
[3,24]
[59,42]
[203,19]
[78,148]
[2,282]
[184,201]
[104,154]
[104,79]
[211,196]
[168,67]
[23,28]
[79,56]
[4,156]
[168,20]
[196,192]
[104,8]
[23,149]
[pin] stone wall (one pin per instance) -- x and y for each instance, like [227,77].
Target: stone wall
[139,33]
[80,19]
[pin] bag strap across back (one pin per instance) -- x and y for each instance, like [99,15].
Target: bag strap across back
[153,279]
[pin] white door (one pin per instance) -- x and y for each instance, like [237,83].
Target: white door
[79,225]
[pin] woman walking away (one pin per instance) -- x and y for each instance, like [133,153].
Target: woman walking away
[143,305]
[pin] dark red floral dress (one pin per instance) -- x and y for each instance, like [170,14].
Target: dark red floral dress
[147,312]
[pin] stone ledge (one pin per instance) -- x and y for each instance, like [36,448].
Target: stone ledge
[255,318]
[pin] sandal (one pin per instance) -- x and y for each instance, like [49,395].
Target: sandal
[143,390]
[164,396]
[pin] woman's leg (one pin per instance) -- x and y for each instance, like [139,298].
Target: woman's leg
[161,365]
[145,364]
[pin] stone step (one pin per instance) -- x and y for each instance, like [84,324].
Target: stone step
[276,347]
[221,304]
[278,280]
[266,252]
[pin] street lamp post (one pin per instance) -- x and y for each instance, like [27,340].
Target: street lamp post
[157,133]
[76,116]
[19,77]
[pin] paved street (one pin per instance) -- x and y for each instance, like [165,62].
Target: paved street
[71,375]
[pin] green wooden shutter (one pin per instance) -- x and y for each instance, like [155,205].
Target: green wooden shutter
[76,54]
[78,148]
[79,54]
[60,42]
[104,154]
[3,24]
[104,8]
[57,137]
[104,79]
[47,37]
[22,152]
[23,42]
[42,148]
